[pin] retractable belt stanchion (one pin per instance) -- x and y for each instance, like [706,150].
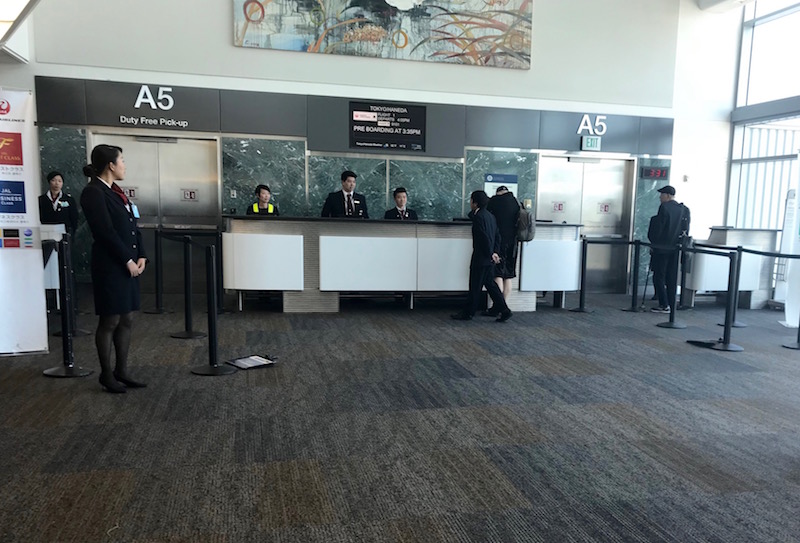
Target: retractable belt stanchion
[796,344]
[735,323]
[637,253]
[188,333]
[73,321]
[68,369]
[582,300]
[684,245]
[213,367]
[159,278]
[672,303]
[724,343]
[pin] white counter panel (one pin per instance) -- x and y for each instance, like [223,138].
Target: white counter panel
[550,265]
[444,264]
[262,262]
[710,272]
[367,264]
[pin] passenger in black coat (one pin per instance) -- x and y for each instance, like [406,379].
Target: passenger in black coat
[400,212]
[55,207]
[665,231]
[505,209]
[485,247]
[346,202]
[118,259]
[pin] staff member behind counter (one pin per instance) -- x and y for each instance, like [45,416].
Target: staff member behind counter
[400,212]
[346,202]
[55,207]
[263,205]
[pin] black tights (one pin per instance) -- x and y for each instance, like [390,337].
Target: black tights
[116,330]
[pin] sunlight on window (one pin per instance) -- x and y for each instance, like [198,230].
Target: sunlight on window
[773,74]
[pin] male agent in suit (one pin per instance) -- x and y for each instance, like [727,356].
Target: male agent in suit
[346,202]
[485,254]
[400,212]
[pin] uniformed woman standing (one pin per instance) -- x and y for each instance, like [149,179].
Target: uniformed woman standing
[117,261]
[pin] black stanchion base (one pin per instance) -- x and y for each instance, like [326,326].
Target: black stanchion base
[79,332]
[222,369]
[634,309]
[188,335]
[157,312]
[581,310]
[674,325]
[715,344]
[734,324]
[64,371]
[685,308]
[795,346]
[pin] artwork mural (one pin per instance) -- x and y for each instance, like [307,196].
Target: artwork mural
[476,32]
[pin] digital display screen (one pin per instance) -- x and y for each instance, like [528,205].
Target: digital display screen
[391,127]
[654,173]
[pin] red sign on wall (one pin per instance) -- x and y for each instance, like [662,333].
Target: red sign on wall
[10,148]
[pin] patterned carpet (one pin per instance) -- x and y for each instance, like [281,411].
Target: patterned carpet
[384,424]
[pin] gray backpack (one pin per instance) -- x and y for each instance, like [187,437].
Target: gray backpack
[526,226]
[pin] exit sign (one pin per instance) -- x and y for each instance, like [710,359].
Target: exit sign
[590,143]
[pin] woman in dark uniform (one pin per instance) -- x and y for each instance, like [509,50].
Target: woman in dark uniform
[117,261]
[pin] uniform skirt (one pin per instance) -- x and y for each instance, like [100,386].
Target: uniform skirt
[115,291]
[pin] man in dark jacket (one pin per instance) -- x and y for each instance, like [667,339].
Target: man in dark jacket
[346,202]
[505,209]
[55,207]
[664,233]
[400,212]
[485,247]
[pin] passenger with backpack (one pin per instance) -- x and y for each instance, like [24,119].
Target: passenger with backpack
[506,210]
[666,229]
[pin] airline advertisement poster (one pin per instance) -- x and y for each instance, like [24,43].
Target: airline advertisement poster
[23,311]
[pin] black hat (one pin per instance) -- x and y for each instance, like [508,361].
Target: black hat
[669,189]
[502,187]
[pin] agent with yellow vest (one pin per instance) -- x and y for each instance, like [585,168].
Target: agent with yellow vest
[262,206]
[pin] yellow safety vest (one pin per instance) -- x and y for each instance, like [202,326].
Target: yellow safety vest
[270,207]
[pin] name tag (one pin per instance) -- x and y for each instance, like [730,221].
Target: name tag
[135,211]
[64,204]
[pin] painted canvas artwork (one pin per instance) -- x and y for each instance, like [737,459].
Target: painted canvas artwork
[493,33]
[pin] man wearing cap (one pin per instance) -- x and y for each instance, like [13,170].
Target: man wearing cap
[400,212]
[505,208]
[55,207]
[263,206]
[665,232]
[346,202]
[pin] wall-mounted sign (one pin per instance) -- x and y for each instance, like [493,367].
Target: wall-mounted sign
[493,181]
[590,143]
[12,197]
[559,207]
[603,208]
[391,127]
[189,195]
[130,192]
[646,172]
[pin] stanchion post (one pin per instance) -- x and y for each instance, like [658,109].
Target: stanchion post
[68,368]
[188,333]
[672,303]
[796,344]
[735,323]
[582,300]
[159,272]
[213,367]
[684,245]
[220,292]
[725,344]
[637,253]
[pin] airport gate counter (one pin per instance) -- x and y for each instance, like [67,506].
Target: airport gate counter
[312,260]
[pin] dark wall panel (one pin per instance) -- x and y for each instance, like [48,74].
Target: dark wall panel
[560,131]
[498,127]
[328,124]
[655,137]
[60,101]
[263,113]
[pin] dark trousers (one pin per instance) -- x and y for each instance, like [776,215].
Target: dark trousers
[665,276]
[483,276]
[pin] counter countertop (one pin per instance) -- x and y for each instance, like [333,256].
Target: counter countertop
[457,222]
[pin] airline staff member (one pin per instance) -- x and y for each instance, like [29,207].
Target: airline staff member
[400,212]
[55,207]
[118,260]
[346,202]
[263,205]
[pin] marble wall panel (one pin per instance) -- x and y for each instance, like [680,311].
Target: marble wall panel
[279,164]
[324,176]
[434,188]
[522,164]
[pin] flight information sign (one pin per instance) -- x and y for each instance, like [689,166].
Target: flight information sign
[391,127]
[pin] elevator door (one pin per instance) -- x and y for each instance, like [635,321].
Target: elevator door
[173,181]
[598,195]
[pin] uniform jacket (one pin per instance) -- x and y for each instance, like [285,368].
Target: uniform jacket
[393,213]
[505,209]
[485,238]
[335,207]
[66,211]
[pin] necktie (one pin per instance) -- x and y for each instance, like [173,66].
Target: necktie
[349,205]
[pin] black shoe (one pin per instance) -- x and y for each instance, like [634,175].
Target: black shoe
[111,385]
[504,316]
[490,313]
[128,382]
[461,317]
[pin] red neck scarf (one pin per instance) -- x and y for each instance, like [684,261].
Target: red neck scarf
[118,192]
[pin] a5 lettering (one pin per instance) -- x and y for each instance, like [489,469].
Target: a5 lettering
[164,101]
